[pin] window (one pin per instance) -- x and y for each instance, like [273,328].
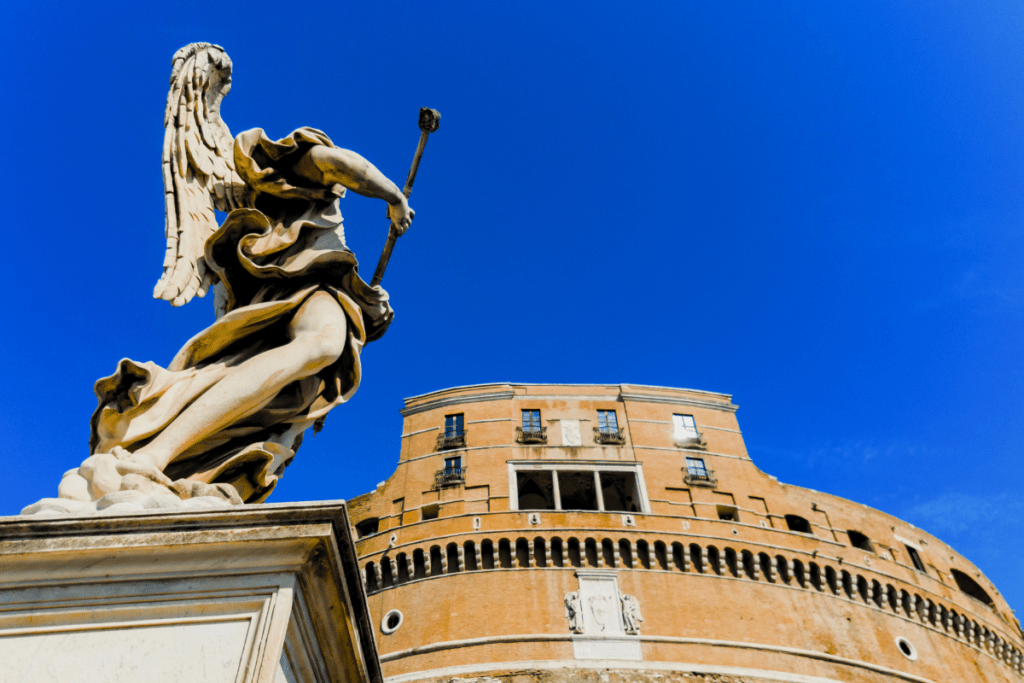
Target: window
[607,429]
[607,420]
[798,524]
[915,558]
[859,540]
[684,427]
[536,490]
[728,514]
[545,485]
[430,511]
[454,435]
[453,474]
[696,468]
[453,425]
[367,527]
[531,431]
[968,585]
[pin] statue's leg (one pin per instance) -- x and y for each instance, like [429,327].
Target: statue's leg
[317,335]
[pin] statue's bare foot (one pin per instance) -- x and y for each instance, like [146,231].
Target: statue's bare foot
[118,470]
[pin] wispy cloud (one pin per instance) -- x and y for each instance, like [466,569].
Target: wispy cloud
[957,513]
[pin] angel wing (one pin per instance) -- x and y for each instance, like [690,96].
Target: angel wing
[198,167]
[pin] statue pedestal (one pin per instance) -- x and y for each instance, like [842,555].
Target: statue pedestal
[262,593]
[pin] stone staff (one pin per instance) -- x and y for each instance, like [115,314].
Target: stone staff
[430,119]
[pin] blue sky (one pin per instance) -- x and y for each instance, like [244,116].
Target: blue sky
[816,207]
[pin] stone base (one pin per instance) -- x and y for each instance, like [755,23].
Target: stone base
[262,593]
[624,648]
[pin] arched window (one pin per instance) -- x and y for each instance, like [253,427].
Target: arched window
[626,554]
[505,553]
[540,556]
[575,554]
[469,551]
[436,568]
[557,552]
[419,566]
[522,553]
[643,555]
[487,553]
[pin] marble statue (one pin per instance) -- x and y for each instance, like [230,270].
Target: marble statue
[228,413]
[631,618]
[574,612]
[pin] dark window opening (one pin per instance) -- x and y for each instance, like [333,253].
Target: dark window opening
[504,554]
[968,585]
[430,511]
[915,558]
[536,491]
[367,527]
[619,491]
[859,540]
[798,524]
[728,514]
[905,648]
[577,489]
[393,621]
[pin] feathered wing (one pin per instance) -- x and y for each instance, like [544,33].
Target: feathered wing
[198,167]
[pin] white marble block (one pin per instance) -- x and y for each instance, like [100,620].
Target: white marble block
[260,593]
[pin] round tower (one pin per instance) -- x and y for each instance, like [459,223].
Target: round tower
[536,532]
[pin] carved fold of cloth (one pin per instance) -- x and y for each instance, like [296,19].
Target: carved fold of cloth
[270,258]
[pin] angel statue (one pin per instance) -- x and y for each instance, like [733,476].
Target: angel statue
[228,413]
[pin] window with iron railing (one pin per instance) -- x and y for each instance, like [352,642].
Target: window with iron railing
[454,436]
[698,474]
[607,430]
[531,431]
[453,473]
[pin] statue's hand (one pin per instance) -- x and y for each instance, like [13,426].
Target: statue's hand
[401,215]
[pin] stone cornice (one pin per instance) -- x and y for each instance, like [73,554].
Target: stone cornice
[679,401]
[456,400]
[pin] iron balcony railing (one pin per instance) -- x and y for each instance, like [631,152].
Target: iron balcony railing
[531,435]
[452,439]
[609,435]
[692,440]
[697,477]
[449,476]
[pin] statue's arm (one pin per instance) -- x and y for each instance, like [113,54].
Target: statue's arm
[333,165]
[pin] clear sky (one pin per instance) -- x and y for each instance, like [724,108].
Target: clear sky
[814,206]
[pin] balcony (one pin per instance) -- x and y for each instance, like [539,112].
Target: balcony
[609,436]
[449,440]
[692,440]
[536,435]
[697,477]
[450,476]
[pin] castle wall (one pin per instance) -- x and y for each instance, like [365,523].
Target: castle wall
[722,576]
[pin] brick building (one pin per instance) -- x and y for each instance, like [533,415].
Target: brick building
[622,533]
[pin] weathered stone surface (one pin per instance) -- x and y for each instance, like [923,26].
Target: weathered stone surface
[266,593]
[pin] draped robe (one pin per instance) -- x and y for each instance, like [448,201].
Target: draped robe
[270,257]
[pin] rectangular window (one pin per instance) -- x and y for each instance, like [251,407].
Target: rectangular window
[607,421]
[453,463]
[696,468]
[545,485]
[453,425]
[531,420]
[915,557]
[684,427]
